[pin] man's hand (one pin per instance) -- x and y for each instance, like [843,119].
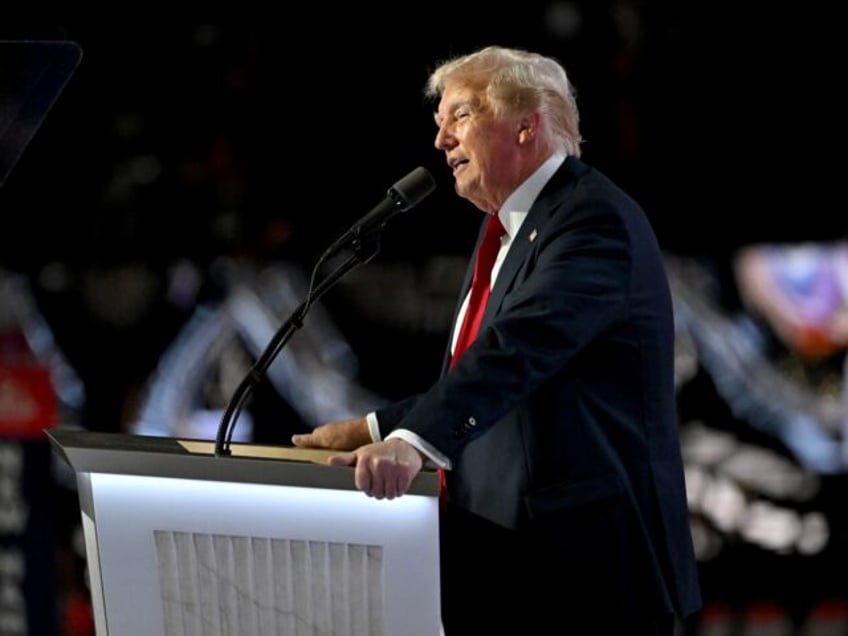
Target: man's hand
[345,435]
[383,469]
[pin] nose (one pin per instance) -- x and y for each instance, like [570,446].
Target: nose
[444,139]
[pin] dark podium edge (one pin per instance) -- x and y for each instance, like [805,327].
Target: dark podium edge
[127,454]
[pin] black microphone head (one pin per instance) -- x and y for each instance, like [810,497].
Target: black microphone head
[413,188]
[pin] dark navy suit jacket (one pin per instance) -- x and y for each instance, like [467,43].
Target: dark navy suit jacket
[566,401]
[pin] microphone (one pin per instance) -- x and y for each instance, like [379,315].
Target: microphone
[402,196]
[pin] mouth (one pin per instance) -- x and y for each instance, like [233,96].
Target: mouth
[457,164]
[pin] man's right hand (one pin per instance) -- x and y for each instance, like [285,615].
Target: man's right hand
[345,435]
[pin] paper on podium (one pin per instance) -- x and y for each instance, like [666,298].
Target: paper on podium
[290,453]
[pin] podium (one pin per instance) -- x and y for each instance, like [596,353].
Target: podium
[267,541]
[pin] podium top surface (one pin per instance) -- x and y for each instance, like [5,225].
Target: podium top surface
[119,453]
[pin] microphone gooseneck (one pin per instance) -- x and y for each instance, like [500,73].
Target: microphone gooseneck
[363,239]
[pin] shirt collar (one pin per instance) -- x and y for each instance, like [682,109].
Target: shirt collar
[517,204]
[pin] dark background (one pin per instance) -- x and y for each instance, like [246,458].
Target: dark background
[250,135]
[263,137]
[718,116]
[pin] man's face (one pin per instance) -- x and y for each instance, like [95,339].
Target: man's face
[481,150]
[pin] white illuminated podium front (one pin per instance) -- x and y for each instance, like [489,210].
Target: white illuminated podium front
[267,541]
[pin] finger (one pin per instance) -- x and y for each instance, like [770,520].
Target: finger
[392,486]
[304,439]
[383,478]
[404,481]
[390,490]
[342,459]
[363,479]
[402,485]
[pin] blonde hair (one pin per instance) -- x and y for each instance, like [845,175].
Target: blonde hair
[514,83]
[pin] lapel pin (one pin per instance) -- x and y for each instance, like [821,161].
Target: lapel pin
[533,235]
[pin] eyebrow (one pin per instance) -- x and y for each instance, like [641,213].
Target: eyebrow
[453,107]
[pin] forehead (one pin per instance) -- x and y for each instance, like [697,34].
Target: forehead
[458,94]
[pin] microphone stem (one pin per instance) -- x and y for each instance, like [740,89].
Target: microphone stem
[363,252]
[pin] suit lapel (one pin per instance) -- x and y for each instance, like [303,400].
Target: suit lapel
[540,212]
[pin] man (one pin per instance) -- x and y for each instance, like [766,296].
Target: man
[566,509]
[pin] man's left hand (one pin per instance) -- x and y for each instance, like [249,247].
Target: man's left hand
[384,470]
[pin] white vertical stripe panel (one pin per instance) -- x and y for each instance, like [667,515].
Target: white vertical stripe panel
[284,585]
[189,595]
[207,575]
[222,548]
[169,581]
[355,585]
[215,585]
[244,586]
[319,574]
[338,589]
[374,588]
[301,588]
[264,587]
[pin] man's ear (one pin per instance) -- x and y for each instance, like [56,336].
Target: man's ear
[528,127]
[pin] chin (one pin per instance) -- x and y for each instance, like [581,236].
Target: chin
[462,188]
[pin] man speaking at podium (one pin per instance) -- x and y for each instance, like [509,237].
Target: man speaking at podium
[556,428]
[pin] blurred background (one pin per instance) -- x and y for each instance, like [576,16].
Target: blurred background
[164,220]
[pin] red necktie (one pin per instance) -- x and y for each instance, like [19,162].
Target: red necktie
[480,286]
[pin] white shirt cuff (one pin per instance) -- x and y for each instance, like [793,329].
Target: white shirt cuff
[373,427]
[411,438]
[426,449]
